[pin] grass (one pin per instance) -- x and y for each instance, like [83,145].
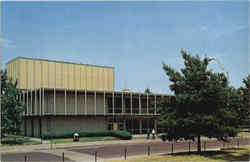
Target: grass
[85,139]
[18,140]
[233,154]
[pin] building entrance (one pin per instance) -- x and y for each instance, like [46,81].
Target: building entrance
[115,125]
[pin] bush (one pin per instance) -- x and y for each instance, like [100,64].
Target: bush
[124,135]
[121,134]
[14,140]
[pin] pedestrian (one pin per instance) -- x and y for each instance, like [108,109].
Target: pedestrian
[148,134]
[153,134]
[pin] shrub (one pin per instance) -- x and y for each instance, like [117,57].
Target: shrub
[121,134]
[15,140]
[124,135]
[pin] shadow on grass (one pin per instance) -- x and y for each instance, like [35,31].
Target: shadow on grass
[230,154]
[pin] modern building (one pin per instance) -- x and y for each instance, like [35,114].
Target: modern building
[61,96]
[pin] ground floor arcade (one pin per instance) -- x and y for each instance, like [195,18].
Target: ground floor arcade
[35,126]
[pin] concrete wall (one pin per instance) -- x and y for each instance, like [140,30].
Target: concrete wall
[38,73]
[77,123]
[62,124]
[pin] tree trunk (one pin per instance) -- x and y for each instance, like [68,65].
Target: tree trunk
[199,144]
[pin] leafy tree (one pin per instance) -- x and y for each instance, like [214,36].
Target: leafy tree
[200,103]
[147,90]
[243,109]
[11,105]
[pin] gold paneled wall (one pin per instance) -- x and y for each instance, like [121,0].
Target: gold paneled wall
[38,73]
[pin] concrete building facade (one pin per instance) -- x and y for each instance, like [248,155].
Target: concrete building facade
[41,73]
[62,96]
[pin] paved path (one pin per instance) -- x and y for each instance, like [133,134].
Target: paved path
[32,156]
[110,150]
[46,146]
[118,151]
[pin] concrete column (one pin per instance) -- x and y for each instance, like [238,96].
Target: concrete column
[35,105]
[86,102]
[31,106]
[75,102]
[54,101]
[104,103]
[95,101]
[131,102]
[155,105]
[40,102]
[65,101]
[122,104]
[23,101]
[147,103]
[140,126]
[113,103]
[43,102]
[140,104]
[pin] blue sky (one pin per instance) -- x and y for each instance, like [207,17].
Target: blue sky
[134,37]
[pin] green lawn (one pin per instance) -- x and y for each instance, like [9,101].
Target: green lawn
[19,140]
[85,139]
[241,154]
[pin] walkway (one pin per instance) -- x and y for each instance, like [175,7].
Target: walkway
[85,151]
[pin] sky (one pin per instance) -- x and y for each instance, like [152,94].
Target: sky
[133,37]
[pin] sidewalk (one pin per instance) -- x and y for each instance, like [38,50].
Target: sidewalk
[48,146]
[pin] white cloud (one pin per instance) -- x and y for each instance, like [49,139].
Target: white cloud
[203,28]
[242,27]
[5,43]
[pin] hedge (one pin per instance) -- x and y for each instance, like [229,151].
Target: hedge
[124,135]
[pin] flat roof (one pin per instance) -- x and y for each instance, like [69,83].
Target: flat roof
[65,62]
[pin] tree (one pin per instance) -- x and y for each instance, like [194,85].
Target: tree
[199,106]
[147,90]
[243,109]
[12,107]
